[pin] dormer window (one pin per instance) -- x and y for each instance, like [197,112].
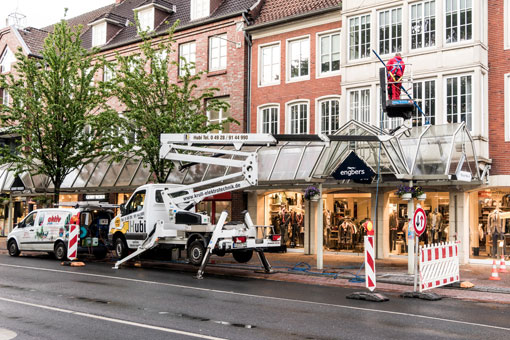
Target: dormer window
[146,19]
[6,60]
[199,9]
[99,34]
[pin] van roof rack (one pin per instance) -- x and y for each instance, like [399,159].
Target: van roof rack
[88,204]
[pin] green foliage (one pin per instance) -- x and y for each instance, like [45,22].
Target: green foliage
[56,110]
[154,104]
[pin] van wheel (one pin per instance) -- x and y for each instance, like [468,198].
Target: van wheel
[60,251]
[242,256]
[13,248]
[121,249]
[196,252]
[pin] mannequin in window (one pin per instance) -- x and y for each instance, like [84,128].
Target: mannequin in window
[436,220]
[495,229]
[284,224]
[300,228]
[393,229]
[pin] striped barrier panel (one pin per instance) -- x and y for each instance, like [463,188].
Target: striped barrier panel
[370,263]
[72,247]
[439,265]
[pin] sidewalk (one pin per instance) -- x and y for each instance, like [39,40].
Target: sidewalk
[338,271]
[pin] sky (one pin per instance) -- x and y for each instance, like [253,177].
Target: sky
[41,13]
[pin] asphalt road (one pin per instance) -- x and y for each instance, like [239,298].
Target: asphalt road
[39,299]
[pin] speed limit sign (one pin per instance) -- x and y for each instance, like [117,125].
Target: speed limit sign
[419,221]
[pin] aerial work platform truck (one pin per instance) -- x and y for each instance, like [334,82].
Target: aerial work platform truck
[163,215]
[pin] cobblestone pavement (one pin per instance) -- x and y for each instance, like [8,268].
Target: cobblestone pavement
[342,270]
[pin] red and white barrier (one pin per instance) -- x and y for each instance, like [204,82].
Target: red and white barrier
[439,265]
[369,263]
[72,247]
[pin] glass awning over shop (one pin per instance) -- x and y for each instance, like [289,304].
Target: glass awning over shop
[426,153]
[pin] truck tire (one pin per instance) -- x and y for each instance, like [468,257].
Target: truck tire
[242,256]
[121,248]
[196,251]
[60,251]
[13,248]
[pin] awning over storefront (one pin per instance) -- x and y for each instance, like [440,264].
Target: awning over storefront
[435,153]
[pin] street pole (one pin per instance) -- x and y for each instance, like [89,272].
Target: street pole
[410,235]
[320,231]
[416,263]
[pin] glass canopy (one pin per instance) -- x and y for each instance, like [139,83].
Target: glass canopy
[427,153]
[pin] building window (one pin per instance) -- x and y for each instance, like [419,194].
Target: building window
[146,19]
[423,24]
[298,59]
[219,117]
[187,54]
[329,53]
[269,65]
[298,118]
[218,52]
[359,37]
[459,20]
[5,97]
[108,73]
[6,60]
[459,100]
[424,93]
[329,115]
[507,107]
[199,9]
[390,31]
[360,105]
[99,34]
[269,119]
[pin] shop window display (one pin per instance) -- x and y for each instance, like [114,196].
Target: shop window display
[493,227]
[287,216]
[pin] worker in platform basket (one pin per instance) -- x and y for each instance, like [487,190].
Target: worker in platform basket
[395,71]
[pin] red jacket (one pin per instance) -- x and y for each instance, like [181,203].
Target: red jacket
[396,67]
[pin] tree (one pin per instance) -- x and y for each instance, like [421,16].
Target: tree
[155,104]
[57,111]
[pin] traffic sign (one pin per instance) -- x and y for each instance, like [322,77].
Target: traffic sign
[419,221]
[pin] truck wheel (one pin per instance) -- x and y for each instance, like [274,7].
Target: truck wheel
[60,251]
[242,256]
[121,249]
[196,252]
[13,248]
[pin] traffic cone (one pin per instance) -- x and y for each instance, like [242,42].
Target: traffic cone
[494,274]
[502,265]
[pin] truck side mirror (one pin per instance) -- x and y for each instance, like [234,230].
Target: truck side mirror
[123,209]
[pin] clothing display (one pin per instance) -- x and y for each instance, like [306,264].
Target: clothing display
[393,222]
[495,229]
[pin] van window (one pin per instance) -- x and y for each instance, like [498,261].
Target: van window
[29,221]
[136,202]
[159,197]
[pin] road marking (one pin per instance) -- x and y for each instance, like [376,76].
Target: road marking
[261,296]
[6,334]
[104,318]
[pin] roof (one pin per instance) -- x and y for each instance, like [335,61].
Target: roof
[275,10]
[123,12]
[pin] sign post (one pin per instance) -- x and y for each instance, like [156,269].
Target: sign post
[419,224]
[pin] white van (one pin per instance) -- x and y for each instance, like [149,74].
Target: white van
[47,230]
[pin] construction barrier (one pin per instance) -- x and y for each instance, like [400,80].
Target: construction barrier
[370,263]
[72,247]
[439,265]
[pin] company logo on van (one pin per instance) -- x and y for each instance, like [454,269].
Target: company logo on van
[54,219]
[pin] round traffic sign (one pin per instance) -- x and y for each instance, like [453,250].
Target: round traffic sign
[419,221]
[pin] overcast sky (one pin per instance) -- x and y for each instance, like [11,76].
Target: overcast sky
[41,13]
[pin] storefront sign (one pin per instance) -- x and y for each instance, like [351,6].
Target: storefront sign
[17,185]
[354,168]
[464,176]
[212,138]
[95,197]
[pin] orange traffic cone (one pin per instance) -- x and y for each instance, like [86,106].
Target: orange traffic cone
[502,265]
[494,275]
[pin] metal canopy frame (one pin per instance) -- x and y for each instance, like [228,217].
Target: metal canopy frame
[430,153]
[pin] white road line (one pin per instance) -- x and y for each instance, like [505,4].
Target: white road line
[262,296]
[6,334]
[104,318]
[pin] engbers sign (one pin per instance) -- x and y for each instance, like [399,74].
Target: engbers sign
[354,168]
